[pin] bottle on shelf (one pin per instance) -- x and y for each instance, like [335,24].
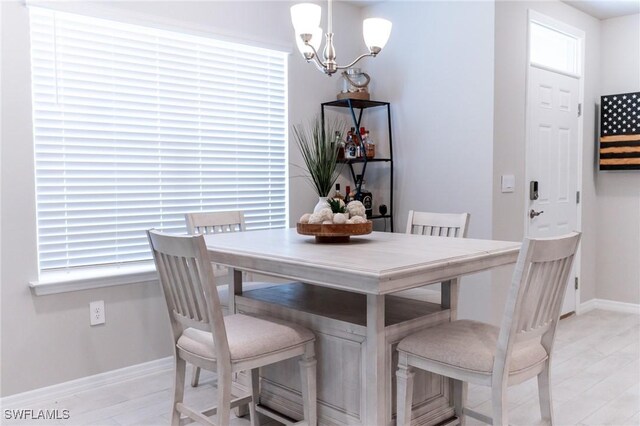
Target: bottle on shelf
[369,145]
[350,149]
[338,194]
[340,144]
[365,196]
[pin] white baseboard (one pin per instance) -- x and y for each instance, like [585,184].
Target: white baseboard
[609,305]
[61,390]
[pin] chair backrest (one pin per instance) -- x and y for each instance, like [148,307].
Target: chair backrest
[438,224]
[537,291]
[185,272]
[214,222]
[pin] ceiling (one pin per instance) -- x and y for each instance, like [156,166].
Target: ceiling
[605,9]
[601,9]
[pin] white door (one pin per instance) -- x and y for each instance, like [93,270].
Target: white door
[552,158]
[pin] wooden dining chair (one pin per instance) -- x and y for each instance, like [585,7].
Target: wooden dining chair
[454,225]
[226,345]
[474,352]
[215,223]
[438,224]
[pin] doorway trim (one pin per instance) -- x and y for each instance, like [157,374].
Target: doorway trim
[535,16]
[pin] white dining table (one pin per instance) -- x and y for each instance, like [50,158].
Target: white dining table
[374,265]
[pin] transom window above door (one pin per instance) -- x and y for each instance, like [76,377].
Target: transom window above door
[136,126]
[553,49]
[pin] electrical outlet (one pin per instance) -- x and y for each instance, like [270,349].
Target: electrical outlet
[96,312]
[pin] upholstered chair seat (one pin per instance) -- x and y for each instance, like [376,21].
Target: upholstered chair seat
[248,337]
[470,345]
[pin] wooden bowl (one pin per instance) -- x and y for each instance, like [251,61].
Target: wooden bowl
[334,233]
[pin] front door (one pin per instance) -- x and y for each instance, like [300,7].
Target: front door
[552,157]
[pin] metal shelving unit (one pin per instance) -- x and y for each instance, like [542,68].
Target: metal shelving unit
[356,108]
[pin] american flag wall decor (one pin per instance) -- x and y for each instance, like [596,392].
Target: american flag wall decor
[620,132]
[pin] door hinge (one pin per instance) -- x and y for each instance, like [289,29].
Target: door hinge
[577,197]
[576,287]
[579,110]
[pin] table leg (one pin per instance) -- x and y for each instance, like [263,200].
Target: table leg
[376,383]
[235,288]
[450,296]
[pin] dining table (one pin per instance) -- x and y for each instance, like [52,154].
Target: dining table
[353,296]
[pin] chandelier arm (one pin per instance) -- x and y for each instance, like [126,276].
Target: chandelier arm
[364,55]
[319,64]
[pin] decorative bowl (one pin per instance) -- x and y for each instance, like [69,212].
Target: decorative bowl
[334,233]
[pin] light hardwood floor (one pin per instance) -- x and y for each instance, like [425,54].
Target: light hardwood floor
[596,381]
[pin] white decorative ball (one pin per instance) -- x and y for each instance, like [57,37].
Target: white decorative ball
[349,222]
[326,214]
[359,219]
[316,218]
[339,218]
[327,222]
[305,218]
[356,208]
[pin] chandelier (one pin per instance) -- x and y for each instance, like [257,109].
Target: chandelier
[306,22]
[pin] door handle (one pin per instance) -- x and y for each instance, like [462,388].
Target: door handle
[534,213]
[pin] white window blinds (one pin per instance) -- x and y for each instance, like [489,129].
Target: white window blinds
[135,126]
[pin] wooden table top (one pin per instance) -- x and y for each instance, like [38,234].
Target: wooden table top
[378,263]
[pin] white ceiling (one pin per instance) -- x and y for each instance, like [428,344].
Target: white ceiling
[601,9]
[605,9]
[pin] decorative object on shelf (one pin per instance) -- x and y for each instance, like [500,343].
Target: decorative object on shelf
[355,84]
[305,18]
[620,131]
[320,154]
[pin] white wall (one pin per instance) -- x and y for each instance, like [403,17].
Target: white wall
[437,72]
[47,339]
[509,128]
[618,225]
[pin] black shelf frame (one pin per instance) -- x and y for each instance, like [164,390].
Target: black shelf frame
[361,105]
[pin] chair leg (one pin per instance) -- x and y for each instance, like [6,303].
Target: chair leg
[459,399]
[308,375]
[254,381]
[195,376]
[178,388]
[499,404]
[544,392]
[404,392]
[224,395]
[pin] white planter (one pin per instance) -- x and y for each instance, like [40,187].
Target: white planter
[322,203]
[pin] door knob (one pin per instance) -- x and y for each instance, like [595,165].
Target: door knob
[534,213]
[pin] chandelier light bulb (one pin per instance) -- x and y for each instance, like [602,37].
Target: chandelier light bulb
[376,32]
[305,17]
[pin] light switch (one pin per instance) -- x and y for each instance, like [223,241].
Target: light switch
[508,183]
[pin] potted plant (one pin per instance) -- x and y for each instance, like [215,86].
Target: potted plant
[319,150]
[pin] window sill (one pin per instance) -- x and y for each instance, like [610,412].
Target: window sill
[86,279]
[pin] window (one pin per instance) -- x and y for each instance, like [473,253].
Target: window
[553,49]
[135,126]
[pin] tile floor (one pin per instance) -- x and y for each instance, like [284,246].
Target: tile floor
[596,381]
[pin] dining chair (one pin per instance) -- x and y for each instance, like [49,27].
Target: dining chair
[438,224]
[475,352]
[214,223]
[226,345]
[453,225]
[220,222]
